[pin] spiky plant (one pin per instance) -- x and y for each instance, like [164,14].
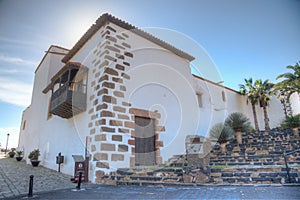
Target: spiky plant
[238,122]
[221,132]
[291,122]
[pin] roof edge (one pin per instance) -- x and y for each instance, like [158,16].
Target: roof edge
[47,52]
[214,83]
[108,17]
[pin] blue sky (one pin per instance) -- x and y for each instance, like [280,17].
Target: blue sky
[244,38]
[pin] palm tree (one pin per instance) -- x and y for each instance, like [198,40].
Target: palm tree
[264,91]
[291,82]
[250,91]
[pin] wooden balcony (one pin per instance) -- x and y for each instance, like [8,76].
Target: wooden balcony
[66,102]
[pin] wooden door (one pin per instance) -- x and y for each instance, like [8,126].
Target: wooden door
[144,141]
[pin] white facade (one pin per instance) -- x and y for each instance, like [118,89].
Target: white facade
[129,76]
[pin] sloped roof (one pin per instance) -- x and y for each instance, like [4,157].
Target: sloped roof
[101,21]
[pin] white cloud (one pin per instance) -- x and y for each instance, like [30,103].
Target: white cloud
[17,61]
[13,137]
[15,92]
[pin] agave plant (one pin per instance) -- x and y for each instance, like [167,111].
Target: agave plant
[222,133]
[239,123]
[292,122]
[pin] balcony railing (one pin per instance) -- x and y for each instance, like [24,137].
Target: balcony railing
[68,101]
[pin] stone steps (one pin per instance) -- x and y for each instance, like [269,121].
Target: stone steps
[155,176]
[253,176]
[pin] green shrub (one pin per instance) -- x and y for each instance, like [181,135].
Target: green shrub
[291,122]
[34,155]
[19,153]
[238,122]
[221,132]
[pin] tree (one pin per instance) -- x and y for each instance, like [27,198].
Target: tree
[264,91]
[291,82]
[250,91]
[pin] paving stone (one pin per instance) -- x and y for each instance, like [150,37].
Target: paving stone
[14,178]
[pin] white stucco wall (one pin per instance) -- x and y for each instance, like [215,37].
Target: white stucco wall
[295,103]
[52,135]
[160,81]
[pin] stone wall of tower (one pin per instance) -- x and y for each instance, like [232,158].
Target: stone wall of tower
[109,119]
[111,124]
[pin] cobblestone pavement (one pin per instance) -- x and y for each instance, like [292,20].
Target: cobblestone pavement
[49,184]
[173,192]
[14,178]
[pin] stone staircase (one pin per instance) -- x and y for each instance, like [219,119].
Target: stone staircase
[259,159]
[147,176]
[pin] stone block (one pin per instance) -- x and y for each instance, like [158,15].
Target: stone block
[201,178]
[95,102]
[131,142]
[122,148]
[100,137]
[128,54]
[187,178]
[103,78]
[100,122]
[123,130]
[126,76]
[107,129]
[92,131]
[118,46]
[117,157]
[118,94]
[115,123]
[122,116]
[120,67]
[119,109]
[108,147]
[93,148]
[227,174]
[214,175]
[126,63]
[100,156]
[117,138]
[129,124]
[103,64]
[100,174]
[108,85]
[110,38]
[106,113]
[127,104]
[126,45]
[101,106]
[102,165]
[123,88]
[119,56]
[111,71]
[102,91]
[112,48]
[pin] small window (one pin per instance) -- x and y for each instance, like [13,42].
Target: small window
[199,97]
[223,96]
[24,124]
